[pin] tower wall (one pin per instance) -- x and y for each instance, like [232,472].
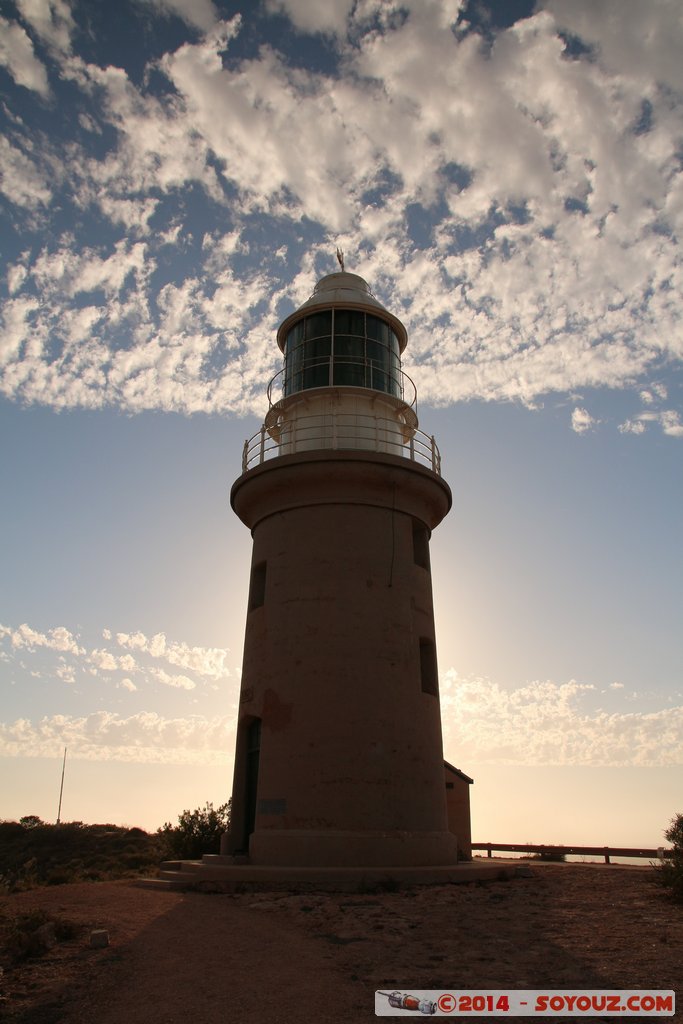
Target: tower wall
[339,752]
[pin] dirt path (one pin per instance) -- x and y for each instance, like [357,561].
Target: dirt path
[257,958]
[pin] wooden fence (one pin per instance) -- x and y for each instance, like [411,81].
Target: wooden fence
[551,851]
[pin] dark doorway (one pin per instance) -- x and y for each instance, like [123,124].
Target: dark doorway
[253,739]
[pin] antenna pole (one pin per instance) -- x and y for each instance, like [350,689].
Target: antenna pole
[61,788]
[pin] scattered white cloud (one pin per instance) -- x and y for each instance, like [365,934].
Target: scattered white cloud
[57,639]
[66,673]
[327,16]
[204,663]
[200,14]
[582,421]
[105,736]
[671,423]
[17,55]
[51,20]
[636,426]
[169,679]
[22,181]
[668,419]
[128,684]
[544,723]
[519,211]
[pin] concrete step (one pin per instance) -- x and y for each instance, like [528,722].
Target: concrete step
[161,884]
[221,877]
[180,865]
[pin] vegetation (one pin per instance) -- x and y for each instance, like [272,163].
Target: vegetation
[670,871]
[29,935]
[34,853]
[197,832]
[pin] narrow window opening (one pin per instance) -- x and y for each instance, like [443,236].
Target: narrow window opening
[257,586]
[428,673]
[420,544]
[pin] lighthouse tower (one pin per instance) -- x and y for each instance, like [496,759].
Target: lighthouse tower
[339,760]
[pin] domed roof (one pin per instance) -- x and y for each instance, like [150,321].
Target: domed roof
[342,291]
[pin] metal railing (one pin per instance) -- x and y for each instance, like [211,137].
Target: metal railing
[549,850]
[341,432]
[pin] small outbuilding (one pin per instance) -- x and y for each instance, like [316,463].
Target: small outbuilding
[458,808]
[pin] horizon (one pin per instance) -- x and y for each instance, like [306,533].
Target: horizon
[508,179]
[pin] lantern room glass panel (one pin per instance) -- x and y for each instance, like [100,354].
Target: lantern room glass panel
[342,348]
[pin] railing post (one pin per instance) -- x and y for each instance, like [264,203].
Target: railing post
[607,860]
[434,467]
[334,431]
[412,447]
[245,456]
[262,453]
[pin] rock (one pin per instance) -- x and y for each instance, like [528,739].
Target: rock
[99,939]
[44,937]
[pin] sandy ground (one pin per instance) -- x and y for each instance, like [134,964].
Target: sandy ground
[264,957]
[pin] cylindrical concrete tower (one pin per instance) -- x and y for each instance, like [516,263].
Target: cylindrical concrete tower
[339,755]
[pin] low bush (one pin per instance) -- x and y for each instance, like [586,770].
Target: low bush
[550,856]
[670,871]
[31,934]
[197,832]
[33,853]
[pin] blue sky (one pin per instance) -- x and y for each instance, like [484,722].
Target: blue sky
[175,175]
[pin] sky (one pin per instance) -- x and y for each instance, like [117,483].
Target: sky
[175,176]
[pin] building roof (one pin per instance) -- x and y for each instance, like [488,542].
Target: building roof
[343,291]
[456,771]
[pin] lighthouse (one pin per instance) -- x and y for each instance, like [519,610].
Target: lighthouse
[339,760]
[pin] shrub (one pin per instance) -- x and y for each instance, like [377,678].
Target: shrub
[670,871]
[552,856]
[40,854]
[31,821]
[197,832]
[33,933]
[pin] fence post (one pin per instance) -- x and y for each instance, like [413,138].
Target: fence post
[607,860]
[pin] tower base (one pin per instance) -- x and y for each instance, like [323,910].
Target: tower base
[330,848]
[215,873]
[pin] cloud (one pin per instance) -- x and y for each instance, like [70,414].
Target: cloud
[327,16]
[16,54]
[582,421]
[198,13]
[519,210]
[22,181]
[104,736]
[51,20]
[57,639]
[178,681]
[204,661]
[544,723]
